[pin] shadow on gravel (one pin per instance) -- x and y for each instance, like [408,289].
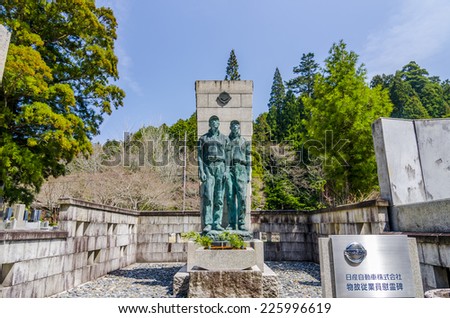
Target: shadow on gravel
[150,276]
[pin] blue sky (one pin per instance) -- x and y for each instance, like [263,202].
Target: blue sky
[164,46]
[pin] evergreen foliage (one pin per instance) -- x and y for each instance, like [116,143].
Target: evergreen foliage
[55,89]
[276,105]
[414,93]
[306,70]
[232,72]
[340,116]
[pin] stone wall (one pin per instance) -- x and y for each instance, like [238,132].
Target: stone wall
[94,239]
[293,235]
[434,258]
[159,236]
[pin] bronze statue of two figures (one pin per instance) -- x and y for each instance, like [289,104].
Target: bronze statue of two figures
[224,170]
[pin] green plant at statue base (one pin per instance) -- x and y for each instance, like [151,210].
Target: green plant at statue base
[199,239]
[235,240]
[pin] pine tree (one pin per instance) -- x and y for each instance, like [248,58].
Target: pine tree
[232,73]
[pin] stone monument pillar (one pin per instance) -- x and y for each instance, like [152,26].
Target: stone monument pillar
[224,118]
[5,36]
[229,101]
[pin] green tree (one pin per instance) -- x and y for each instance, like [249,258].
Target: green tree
[56,88]
[276,104]
[188,126]
[306,70]
[446,93]
[261,129]
[428,89]
[292,115]
[338,125]
[232,72]
[406,101]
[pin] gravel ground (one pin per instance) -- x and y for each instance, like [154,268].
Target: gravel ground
[151,280]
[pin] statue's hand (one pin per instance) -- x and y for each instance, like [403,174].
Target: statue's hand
[202,176]
[225,175]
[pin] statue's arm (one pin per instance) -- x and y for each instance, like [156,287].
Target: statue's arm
[248,158]
[227,149]
[201,172]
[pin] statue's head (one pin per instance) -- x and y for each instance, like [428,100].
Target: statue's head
[214,121]
[235,126]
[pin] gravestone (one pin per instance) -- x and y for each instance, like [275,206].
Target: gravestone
[369,266]
[8,214]
[19,215]
[35,215]
[5,37]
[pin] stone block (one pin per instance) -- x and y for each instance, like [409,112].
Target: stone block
[123,240]
[56,265]
[69,280]
[430,254]
[31,250]
[13,252]
[238,259]
[271,284]
[226,115]
[38,289]
[68,265]
[444,252]
[431,216]
[80,260]
[434,143]
[226,284]
[101,242]
[258,246]
[398,161]
[247,100]
[210,87]
[53,284]
[181,283]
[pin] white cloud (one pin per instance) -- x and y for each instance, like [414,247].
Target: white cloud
[419,30]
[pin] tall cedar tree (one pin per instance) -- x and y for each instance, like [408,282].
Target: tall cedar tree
[232,73]
[56,88]
[341,112]
[306,70]
[276,104]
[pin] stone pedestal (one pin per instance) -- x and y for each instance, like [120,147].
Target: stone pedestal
[226,273]
[250,283]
